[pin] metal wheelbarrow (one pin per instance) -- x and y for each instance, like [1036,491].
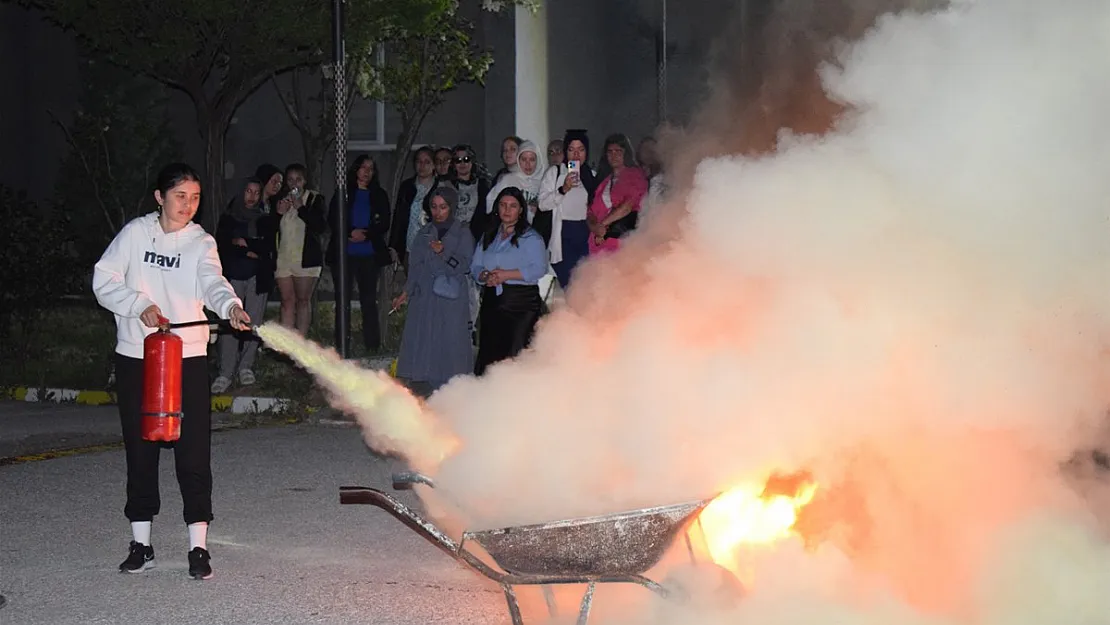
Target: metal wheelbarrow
[611,548]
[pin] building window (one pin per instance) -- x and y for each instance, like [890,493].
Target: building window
[369,122]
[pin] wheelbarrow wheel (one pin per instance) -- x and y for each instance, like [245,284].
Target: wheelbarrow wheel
[704,587]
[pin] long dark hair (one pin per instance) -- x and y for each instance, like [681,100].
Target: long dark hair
[352,174]
[603,168]
[519,228]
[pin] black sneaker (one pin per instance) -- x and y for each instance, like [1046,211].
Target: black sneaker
[199,567]
[139,558]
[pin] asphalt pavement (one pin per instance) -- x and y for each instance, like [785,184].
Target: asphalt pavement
[284,550]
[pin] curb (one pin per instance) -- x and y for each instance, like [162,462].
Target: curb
[220,403]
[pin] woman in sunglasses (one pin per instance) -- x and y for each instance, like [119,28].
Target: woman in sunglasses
[473,188]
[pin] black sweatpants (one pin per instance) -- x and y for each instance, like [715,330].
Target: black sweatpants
[362,270]
[192,453]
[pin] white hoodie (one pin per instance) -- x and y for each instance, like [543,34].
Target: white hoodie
[180,272]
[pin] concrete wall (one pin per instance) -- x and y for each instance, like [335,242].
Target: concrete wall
[603,63]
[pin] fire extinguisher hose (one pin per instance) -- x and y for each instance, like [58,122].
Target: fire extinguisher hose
[204,322]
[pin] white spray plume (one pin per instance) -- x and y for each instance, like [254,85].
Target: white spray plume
[393,420]
[935,265]
[914,306]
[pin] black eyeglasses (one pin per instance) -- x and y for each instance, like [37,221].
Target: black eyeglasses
[462,159]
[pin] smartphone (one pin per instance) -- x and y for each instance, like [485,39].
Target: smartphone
[572,170]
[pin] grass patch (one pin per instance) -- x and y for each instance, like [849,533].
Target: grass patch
[71,346]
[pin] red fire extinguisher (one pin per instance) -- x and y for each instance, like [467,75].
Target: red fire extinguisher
[161,409]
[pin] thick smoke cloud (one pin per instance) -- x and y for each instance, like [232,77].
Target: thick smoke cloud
[887,266]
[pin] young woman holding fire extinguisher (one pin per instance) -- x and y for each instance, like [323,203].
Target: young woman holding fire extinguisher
[160,267]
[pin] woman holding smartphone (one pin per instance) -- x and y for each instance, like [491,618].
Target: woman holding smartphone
[160,267]
[567,191]
[436,346]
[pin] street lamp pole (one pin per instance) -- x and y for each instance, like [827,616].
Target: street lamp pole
[342,297]
[662,64]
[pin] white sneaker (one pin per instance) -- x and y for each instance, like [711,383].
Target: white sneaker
[246,377]
[220,384]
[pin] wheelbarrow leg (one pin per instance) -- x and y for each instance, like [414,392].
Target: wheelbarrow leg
[514,609]
[587,603]
[549,597]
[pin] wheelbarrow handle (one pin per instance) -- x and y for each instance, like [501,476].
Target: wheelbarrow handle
[405,480]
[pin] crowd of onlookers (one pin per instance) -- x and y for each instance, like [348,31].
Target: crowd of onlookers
[480,252]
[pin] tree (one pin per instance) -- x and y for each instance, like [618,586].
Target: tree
[118,139]
[36,251]
[314,115]
[422,66]
[218,53]
[309,101]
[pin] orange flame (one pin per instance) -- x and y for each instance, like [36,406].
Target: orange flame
[748,517]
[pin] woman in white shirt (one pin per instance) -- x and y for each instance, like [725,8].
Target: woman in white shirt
[566,191]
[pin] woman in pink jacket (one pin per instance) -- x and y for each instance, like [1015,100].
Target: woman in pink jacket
[617,199]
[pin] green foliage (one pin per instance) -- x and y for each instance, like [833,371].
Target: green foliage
[37,253]
[424,65]
[119,137]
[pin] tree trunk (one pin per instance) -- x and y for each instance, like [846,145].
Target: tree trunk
[401,158]
[215,132]
[313,159]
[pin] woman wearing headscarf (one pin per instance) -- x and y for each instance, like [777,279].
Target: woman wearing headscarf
[245,239]
[527,178]
[567,195]
[436,345]
[508,263]
[622,189]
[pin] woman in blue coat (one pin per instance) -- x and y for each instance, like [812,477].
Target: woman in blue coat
[436,345]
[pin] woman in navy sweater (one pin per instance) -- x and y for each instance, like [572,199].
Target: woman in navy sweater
[368,214]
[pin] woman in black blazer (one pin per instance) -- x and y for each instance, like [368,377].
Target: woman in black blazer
[364,243]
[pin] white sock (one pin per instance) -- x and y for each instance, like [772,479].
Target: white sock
[198,536]
[140,532]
